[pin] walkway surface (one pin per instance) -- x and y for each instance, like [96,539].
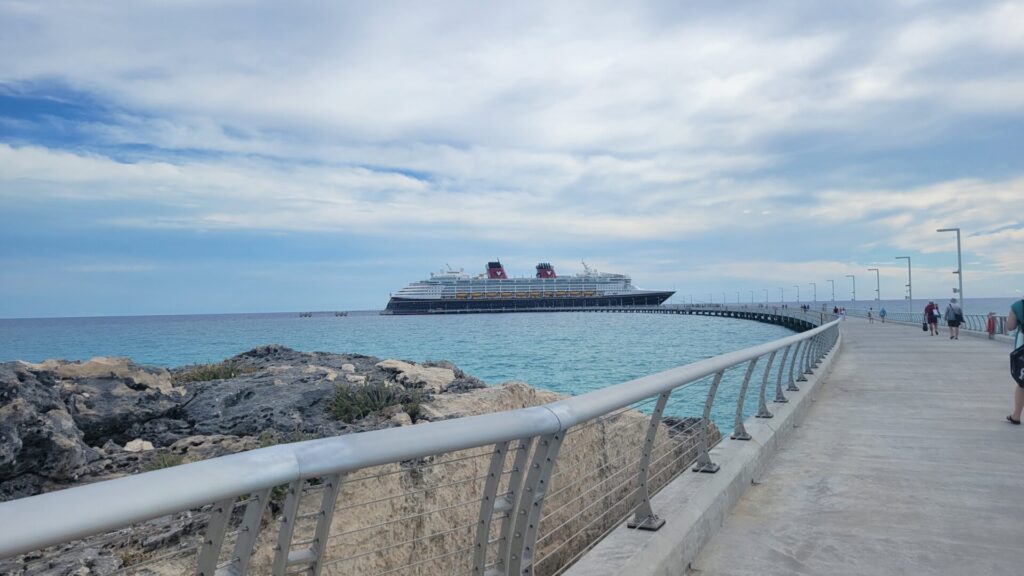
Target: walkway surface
[904,465]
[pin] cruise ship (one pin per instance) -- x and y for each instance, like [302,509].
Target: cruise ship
[454,291]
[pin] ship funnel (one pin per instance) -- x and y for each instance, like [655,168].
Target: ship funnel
[546,270]
[495,271]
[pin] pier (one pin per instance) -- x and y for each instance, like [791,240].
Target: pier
[857,447]
[903,464]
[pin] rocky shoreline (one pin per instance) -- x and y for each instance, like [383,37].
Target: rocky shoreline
[68,423]
[65,423]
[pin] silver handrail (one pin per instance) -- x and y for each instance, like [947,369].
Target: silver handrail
[972,322]
[39,521]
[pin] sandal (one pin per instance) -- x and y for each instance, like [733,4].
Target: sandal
[1012,421]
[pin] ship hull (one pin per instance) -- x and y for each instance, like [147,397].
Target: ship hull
[398,305]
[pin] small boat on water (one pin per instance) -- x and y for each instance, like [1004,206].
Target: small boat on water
[453,292]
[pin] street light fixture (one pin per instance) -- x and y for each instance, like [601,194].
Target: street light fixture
[815,296]
[782,296]
[797,293]
[833,283]
[878,284]
[765,295]
[959,266]
[910,285]
[751,296]
[854,280]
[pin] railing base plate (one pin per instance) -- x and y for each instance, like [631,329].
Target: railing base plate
[707,468]
[651,523]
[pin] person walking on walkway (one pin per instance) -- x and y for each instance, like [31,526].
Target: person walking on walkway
[881,314]
[1015,320]
[931,316]
[871,315]
[954,316]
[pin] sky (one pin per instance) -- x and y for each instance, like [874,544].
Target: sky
[234,156]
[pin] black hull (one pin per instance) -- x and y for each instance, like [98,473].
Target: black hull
[497,305]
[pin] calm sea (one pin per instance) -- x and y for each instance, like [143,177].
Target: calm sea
[570,353]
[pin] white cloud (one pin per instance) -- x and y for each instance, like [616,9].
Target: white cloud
[567,122]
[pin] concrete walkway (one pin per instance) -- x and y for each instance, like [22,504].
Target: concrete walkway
[904,465]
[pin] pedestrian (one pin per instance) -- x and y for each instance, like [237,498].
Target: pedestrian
[1015,320]
[882,313]
[954,316]
[871,317]
[835,310]
[931,316]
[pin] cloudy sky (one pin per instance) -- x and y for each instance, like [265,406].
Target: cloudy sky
[178,157]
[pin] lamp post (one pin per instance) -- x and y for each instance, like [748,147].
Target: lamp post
[797,293]
[751,296]
[854,280]
[878,284]
[910,285]
[833,283]
[711,299]
[737,297]
[782,296]
[814,298]
[766,296]
[723,298]
[959,265]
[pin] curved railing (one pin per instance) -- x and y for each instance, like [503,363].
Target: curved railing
[972,322]
[519,492]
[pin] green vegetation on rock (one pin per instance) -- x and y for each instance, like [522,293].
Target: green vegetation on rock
[207,372]
[350,403]
[163,460]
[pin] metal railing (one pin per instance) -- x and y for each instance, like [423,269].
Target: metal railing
[524,491]
[972,322]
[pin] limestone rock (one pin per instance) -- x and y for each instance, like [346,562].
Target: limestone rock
[510,395]
[355,378]
[110,368]
[431,378]
[254,403]
[39,441]
[348,368]
[401,419]
[138,445]
[195,448]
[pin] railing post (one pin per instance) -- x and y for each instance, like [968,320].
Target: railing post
[483,529]
[644,518]
[779,397]
[792,365]
[287,528]
[704,463]
[803,368]
[509,504]
[531,502]
[762,405]
[332,487]
[738,431]
[213,538]
[248,533]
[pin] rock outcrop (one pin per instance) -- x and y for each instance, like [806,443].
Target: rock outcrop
[63,423]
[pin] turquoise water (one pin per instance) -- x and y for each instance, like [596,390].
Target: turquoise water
[570,353]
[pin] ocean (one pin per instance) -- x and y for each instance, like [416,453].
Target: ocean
[570,353]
